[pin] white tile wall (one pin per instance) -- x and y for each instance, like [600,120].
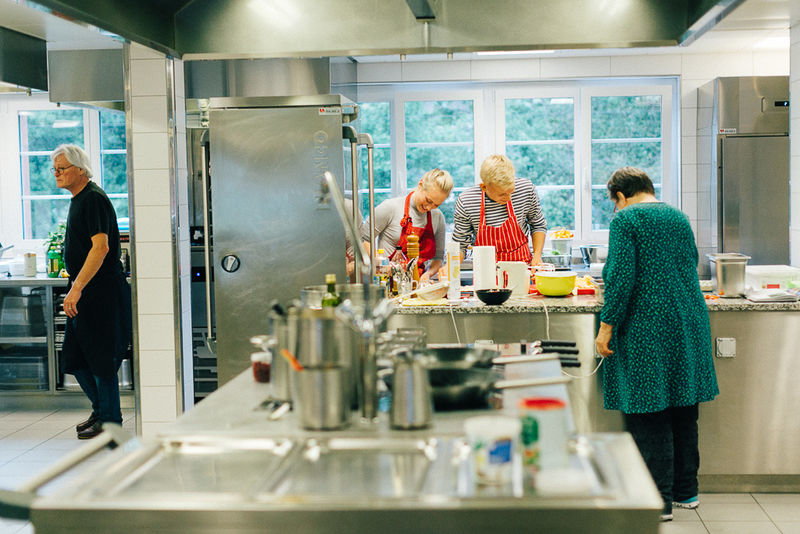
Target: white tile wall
[153,224]
[689,205]
[153,260]
[151,187]
[150,151]
[645,65]
[156,332]
[148,77]
[154,165]
[576,67]
[446,71]
[694,70]
[379,72]
[507,69]
[770,64]
[160,368]
[158,404]
[155,295]
[148,114]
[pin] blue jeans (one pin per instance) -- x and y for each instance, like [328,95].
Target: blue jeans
[103,394]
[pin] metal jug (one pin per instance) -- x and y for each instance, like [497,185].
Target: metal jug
[411,392]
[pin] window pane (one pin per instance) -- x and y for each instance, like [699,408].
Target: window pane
[45,215]
[602,209]
[363,199]
[608,157]
[529,119]
[558,206]
[623,117]
[459,161]
[41,180]
[115,179]
[383,168]
[544,164]
[45,130]
[121,207]
[449,207]
[374,118]
[439,121]
[112,130]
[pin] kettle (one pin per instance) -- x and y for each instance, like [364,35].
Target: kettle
[412,406]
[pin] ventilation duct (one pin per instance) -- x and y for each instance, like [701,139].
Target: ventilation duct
[87,77]
[23,62]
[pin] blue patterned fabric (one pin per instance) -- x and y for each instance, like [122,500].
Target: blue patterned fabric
[662,337]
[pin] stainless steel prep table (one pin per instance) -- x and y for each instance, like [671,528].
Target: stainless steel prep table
[224,467]
[749,435]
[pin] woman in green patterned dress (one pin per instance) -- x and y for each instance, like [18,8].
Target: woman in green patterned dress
[655,334]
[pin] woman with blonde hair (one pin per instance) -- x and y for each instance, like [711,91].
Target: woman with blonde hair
[416,213]
[503,212]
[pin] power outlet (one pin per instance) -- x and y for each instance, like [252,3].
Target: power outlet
[726,347]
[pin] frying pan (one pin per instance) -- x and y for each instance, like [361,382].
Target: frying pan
[471,389]
[459,357]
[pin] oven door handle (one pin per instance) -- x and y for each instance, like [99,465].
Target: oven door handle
[210,341]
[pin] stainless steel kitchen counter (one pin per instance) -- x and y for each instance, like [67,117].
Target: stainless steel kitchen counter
[224,466]
[33,281]
[576,304]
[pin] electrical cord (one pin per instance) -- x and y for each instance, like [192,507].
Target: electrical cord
[455,327]
[547,334]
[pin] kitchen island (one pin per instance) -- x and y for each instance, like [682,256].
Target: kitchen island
[747,433]
[224,466]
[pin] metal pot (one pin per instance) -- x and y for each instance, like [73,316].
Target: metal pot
[591,253]
[471,389]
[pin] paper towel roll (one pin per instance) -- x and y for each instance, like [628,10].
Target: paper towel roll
[483,268]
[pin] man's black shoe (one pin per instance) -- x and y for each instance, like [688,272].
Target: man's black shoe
[92,431]
[83,425]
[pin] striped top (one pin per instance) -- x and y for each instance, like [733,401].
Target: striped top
[467,217]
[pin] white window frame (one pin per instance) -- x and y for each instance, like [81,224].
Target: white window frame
[563,91]
[669,188]
[489,135]
[12,229]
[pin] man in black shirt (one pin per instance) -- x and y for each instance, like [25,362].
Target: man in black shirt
[98,302]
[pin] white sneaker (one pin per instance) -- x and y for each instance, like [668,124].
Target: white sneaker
[665,517]
[691,503]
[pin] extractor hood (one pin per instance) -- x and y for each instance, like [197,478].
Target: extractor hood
[87,77]
[23,62]
[241,29]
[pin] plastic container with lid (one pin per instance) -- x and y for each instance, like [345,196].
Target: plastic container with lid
[771,276]
[494,441]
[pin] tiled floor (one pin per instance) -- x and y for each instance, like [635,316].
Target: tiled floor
[32,440]
[739,513]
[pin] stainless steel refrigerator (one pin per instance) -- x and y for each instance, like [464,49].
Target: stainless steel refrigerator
[750,154]
[271,234]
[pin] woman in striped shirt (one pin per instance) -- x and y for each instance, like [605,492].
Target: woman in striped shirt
[503,211]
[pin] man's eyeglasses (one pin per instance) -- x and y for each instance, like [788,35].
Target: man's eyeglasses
[59,170]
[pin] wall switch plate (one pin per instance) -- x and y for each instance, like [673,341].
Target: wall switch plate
[726,347]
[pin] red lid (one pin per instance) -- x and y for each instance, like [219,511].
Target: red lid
[542,403]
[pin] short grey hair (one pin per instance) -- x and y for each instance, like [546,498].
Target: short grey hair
[439,178]
[75,155]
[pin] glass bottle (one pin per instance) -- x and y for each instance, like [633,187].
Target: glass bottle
[53,262]
[412,251]
[331,298]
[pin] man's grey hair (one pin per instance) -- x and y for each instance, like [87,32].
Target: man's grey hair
[75,155]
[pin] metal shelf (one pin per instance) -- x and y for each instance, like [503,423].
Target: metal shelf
[19,340]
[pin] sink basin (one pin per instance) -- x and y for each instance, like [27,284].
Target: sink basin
[366,468]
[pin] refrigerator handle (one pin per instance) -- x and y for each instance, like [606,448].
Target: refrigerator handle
[366,139]
[210,340]
[349,133]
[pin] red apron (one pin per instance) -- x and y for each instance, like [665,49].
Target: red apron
[509,241]
[427,240]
